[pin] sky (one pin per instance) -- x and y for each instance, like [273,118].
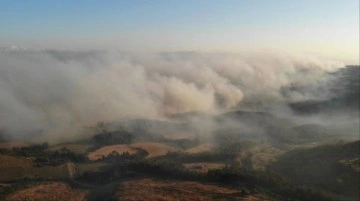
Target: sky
[329,28]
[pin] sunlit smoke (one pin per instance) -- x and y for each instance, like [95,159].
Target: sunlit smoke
[58,92]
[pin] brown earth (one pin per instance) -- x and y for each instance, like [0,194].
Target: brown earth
[160,190]
[154,149]
[56,191]
[206,147]
[15,161]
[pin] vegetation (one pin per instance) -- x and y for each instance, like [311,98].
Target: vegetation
[111,138]
[125,165]
[322,166]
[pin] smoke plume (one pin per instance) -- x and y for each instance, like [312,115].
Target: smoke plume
[59,92]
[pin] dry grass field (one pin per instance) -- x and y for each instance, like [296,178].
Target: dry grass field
[15,161]
[55,191]
[162,190]
[17,167]
[206,147]
[14,173]
[154,149]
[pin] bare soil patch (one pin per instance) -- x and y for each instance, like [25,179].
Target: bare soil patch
[206,147]
[151,189]
[56,191]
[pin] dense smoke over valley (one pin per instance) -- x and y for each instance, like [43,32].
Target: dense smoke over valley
[179,100]
[57,93]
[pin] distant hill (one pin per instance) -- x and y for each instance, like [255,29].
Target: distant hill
[344,94]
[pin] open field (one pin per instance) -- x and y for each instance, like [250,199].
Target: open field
[201,148]
[14,173]
[55,191]
[17,167]
[154,149]
[15,161]
[164,190]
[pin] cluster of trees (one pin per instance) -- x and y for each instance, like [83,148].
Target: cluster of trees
[29,151]
[184,157]
[58,157]
[113,137]
[44,156]
[182,143]
[267,180]
[115,157]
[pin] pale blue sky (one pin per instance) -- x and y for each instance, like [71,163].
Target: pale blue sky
[325,27]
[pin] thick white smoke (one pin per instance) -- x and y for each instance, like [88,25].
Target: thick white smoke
[58,92]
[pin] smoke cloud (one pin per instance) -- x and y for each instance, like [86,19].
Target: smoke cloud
[59,92]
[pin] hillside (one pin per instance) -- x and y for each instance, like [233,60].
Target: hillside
[323,166]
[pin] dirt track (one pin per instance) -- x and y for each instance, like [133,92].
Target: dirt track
[71,170]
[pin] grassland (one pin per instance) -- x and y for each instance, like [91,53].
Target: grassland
[201,148]
[152,189]
[15,161]
[16,173]
[153,148]
[54,191]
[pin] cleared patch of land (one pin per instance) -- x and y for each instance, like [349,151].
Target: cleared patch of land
[56,191]
[206,147]
[151,189]
[153,148]
[14,173]
[15,161]
[17,167]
